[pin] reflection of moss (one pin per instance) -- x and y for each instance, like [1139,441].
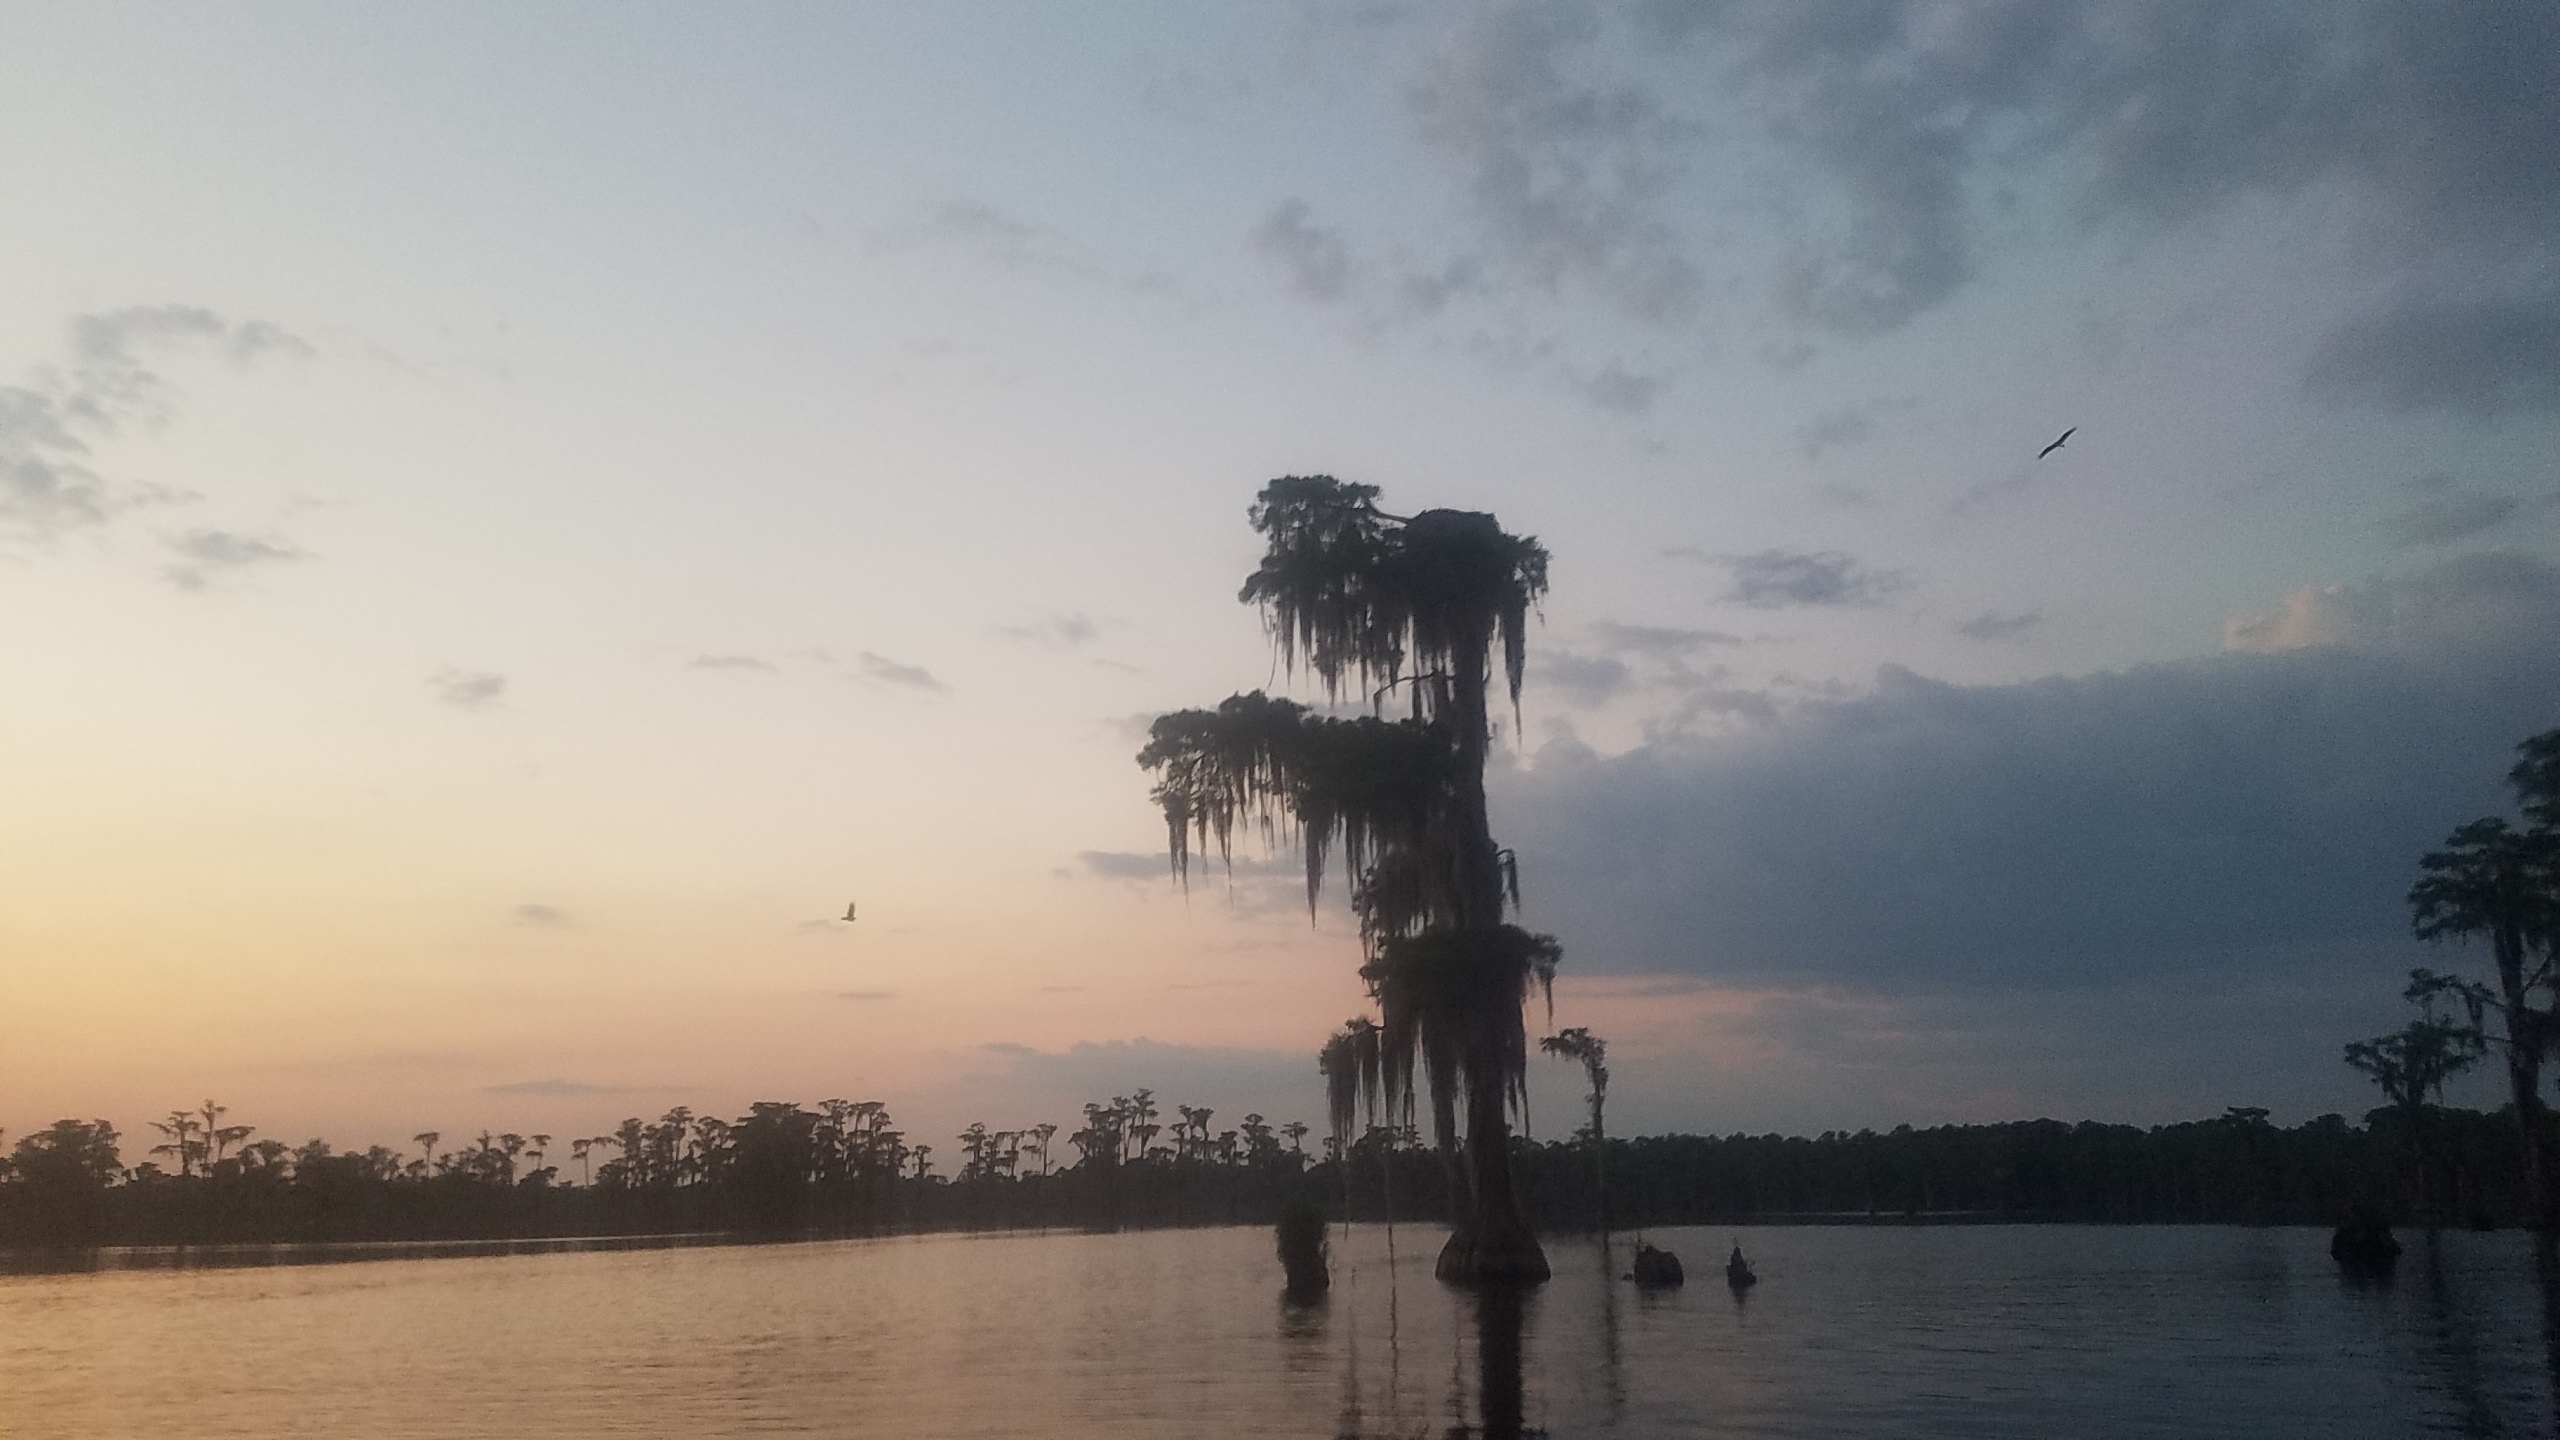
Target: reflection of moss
[1303,1248]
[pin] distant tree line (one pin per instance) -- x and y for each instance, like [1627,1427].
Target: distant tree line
[780,1169]
[843,1169]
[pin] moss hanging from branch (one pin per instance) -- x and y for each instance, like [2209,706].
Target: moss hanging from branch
[1354,594]
[1451,1000]
[1373,788]
[1352,1079]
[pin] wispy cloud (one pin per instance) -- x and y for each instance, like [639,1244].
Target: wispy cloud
[729,662]
[1313,257]
[1616,388]
[2452,515]
[1562,168]
[1590,150]
[1585,679]
[1991,625]
[541,917]
[1063,631]
[889,672]
[204,555]
[562,1087]
[1779,579]
[1658,640]
[467,689]
[1318,264]
[2483,358]
[866,995]
[1832,430]
[966,226]
[1125,864]
[103,388]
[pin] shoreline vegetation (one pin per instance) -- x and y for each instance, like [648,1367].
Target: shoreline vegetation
[785,1172]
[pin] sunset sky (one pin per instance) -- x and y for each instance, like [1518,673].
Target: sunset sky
[512,516]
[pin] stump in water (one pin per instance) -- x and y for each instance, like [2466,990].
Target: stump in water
[1501,1254]
[1657,1269]
[2364,1242]
[1303,1249]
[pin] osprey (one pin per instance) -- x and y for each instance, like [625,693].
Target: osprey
[2049,449]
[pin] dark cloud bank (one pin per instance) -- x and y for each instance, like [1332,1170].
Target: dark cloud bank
[2203,817]
[1583,140]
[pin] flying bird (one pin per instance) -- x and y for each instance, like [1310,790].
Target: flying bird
[2056,445]
[848,912]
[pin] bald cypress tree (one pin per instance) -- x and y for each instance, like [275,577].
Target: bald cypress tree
[2493,882]
[1374,604]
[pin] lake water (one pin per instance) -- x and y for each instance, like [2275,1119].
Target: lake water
[1957,1331]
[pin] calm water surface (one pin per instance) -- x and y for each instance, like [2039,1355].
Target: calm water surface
[1993,1331]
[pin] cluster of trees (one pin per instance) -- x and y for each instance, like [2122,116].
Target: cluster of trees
[840,1168]
[781,1169]
[2497,881]
[2234,1169]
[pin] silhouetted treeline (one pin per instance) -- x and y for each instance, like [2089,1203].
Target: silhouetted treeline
[781,1169]
[2234,1169]
[842,1169]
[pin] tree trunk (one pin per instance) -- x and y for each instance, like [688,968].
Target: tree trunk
[1492,1247]
[1492,1244]
[2524,1073]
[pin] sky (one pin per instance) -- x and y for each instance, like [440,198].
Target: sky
[513,516]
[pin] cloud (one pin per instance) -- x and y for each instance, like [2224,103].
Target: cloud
[2478,358]
[730,663]
[1314,258]
[111,341]
[44,488]
[1056,632]
[1777,579]
[1125,864]
[1618,659]
[204,554]
[2442,607]
[1991,625]
[2452,515]
[1833,430]
[890,672]
[971,227]
[1585,679]
[1657,640]
[103,389]
[866,994]
[1600,150]
[1621,391]
[1561,172]
[467,689]
[541,917]
[559,1087]
[2238,810]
